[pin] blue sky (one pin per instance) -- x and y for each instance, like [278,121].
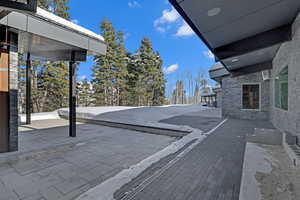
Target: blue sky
[180,49]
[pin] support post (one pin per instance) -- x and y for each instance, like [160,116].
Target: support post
[72,96]
[28,89]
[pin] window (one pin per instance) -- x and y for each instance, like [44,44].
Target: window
[282,89]
[251,96]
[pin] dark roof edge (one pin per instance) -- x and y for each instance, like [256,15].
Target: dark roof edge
[212,70]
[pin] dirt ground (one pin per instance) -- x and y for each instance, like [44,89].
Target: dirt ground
[283,182]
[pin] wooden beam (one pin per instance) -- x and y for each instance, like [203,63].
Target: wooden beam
[260,41]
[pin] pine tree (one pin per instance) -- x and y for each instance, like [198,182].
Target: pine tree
[85,93]
[104,72]
[120,78]
[121,71]
[58,7]
[160,82]
[45,4]
[55,79]
[61,8]
[150,83]
[133,76]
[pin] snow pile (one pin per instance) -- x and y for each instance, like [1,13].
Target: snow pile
[40,116]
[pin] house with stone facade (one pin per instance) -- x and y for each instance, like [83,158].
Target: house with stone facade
[257,47]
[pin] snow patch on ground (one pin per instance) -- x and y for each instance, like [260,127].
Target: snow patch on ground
[140,115]
[166,106]
[40,116]
[99,110]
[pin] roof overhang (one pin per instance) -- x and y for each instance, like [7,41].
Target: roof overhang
[53,38]
[217,72]
[240,33]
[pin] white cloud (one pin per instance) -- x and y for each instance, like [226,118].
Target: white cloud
[171,16]
[171,68]
[209,54]
[134,4]
[160,29]
[75,21]
[168,16]
[184,30]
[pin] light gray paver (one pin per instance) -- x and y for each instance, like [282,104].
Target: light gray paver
[70,184]
[35,197]
[51,193]
[6,193]
[52,166]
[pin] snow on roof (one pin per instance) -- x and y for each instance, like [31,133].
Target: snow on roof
[65,23]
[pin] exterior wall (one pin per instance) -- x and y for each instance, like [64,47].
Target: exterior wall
[13,93]
[232,97]
[218,98]
[288,55]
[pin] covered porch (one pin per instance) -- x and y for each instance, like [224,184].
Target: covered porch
[43,35]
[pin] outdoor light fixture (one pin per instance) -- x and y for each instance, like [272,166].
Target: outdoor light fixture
[213,12]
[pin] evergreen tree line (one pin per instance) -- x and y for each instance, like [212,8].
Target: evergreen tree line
[119,78]
[122,78]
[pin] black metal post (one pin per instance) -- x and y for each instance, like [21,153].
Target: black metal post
[28,89]
[72,97]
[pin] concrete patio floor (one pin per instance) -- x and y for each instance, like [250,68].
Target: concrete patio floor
[52,166]
[212,170]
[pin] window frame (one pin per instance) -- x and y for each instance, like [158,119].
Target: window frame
[279,107]
[242,99]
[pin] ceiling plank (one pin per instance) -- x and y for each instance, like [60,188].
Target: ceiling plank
[252,68]
[254,43]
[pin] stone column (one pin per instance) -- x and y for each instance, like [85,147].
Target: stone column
[13,92]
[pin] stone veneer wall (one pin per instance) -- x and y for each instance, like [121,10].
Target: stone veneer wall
[219,98]
[13,93]
[232,97]
[288,55]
